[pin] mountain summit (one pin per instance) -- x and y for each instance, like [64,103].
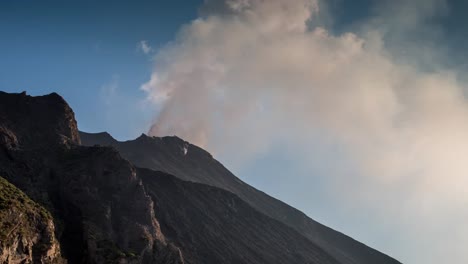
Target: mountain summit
[188,162]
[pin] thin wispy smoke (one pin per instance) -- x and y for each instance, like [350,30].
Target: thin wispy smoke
[144,47]
[248,74]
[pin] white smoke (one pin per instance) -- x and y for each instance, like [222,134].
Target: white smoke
[251,73]
[144,47]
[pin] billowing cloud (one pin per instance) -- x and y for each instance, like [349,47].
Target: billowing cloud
[249,74]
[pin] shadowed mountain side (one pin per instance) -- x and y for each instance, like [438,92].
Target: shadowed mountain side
[97,202]
[191,163]
[104,195]
[107,211]
[211,225]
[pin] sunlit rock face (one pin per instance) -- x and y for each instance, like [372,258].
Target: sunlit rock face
[26,229]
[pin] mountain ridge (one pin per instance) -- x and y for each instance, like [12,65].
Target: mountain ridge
[163,154]
[108,210]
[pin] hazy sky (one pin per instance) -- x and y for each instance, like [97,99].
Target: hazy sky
[352,111]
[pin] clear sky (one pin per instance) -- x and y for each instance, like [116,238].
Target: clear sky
[99,54]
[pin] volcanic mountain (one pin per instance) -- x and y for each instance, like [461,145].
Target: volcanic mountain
[188,162]
[70,197]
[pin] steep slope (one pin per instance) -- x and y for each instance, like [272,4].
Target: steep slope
[102,195]
[191,163]
[98,203]
[26,229]
[105,210]
[211,225]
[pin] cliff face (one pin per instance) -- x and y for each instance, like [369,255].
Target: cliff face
[102,199]
[98,204]
[40,122]
[26,229]
[191,163]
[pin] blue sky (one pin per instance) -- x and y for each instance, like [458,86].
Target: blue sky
[76,48]
[88,51]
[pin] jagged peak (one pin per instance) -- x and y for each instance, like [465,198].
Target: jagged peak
[22,95]
[49,116]
[172,142]
[166,139]
[143,136]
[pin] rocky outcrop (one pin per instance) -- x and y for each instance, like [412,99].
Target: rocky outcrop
[116,216]
[40,122]
[97,202]
[26,229]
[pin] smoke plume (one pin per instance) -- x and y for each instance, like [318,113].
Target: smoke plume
[248,74]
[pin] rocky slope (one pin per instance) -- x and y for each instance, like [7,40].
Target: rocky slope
[211,225]
[26,229]
[102,199]
[191,163]
[99,205]
[103,209]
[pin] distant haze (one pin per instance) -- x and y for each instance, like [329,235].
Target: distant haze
[248,75]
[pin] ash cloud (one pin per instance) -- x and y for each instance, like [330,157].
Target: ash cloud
[248,74]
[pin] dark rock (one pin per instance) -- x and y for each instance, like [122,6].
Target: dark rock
[211,225]
[105,210]
[191,163]
[98,204]
[117,218]
[38,122]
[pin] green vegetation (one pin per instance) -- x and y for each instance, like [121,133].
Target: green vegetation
[18,213]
